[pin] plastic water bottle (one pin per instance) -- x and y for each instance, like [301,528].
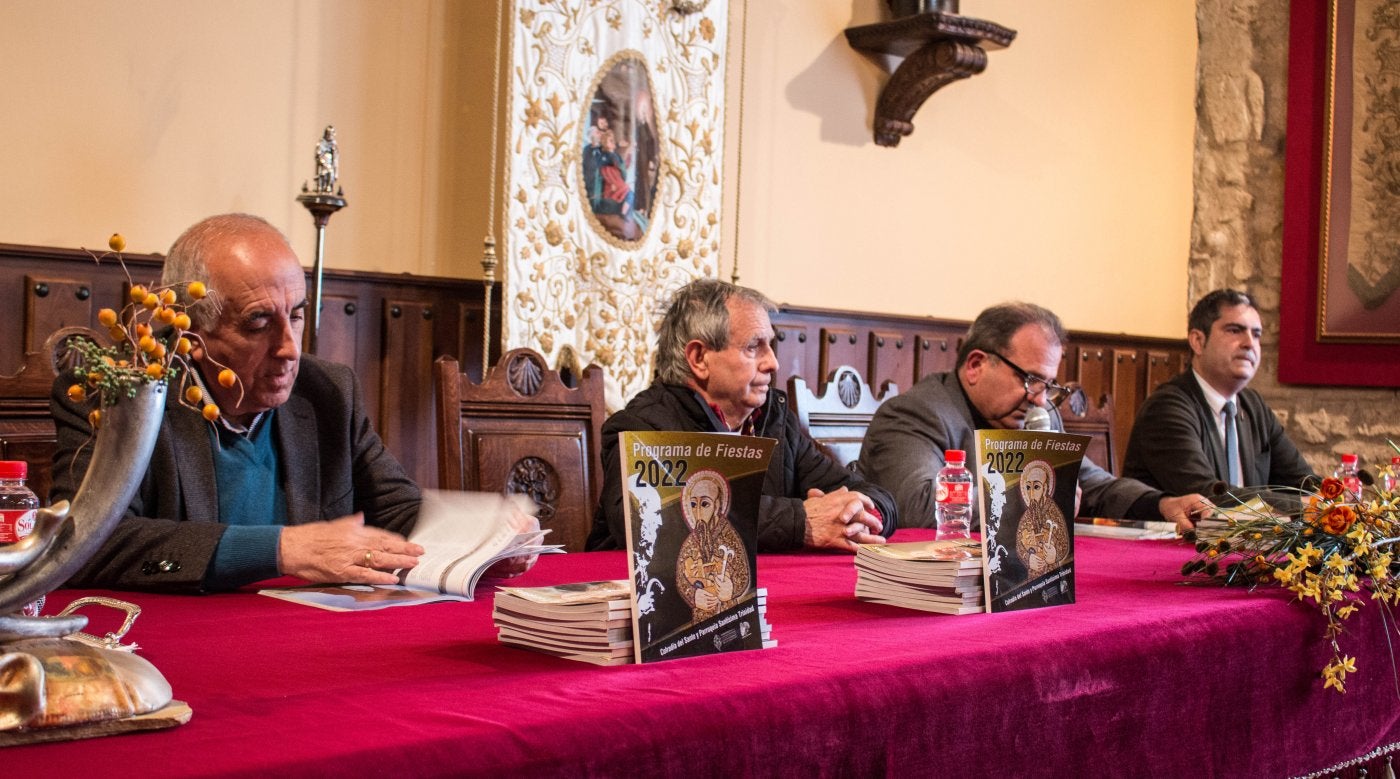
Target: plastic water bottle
[1390,480]
[1348,473]
[19,507]
[953,497]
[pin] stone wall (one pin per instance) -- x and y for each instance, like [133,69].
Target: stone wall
[1236,234]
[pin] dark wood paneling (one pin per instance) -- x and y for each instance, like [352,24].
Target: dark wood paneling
[891,359]
[53,303]
[796,349]
[406,365]
[934,352]
[841,346]
[1117,371]
[1162,366]
[1126,384]
[43,288]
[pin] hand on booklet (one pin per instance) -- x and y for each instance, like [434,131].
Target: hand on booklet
[511,567]
[344,550]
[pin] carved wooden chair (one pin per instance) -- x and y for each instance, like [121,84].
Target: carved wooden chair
[1081,415]
[523,431]
[838,418]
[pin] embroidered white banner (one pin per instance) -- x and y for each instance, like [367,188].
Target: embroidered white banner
[613,198]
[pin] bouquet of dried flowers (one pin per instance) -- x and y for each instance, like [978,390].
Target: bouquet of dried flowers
[151,343]
[1335,552]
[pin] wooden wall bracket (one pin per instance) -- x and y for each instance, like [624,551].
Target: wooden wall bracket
[937,49]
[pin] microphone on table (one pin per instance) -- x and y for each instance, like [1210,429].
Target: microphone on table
[1037,418]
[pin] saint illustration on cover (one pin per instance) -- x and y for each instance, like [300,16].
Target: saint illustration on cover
[1042,540]
[712,570]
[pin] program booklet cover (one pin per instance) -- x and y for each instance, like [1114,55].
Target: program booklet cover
[691,503]
[1026,490]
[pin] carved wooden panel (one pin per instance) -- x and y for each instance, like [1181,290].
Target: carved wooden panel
[1127,396]
[1092,364]
[339,336]
[840,346]
[797,352]
[557,461]
[891,359]
[523,431]
[934,353]
[405,379]
[53,302]
[1161,366]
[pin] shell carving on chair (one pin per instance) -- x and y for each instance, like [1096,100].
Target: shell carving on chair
[848,388]
[525,375]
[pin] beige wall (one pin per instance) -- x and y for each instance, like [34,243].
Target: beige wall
[1062,174]
[143,117]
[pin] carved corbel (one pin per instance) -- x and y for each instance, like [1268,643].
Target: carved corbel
[936,49]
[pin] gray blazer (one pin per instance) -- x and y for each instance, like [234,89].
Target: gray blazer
[903,452]
[332,463]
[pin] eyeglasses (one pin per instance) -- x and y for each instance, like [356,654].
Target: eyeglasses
[1054,393]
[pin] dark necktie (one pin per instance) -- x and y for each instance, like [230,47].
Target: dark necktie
[1232,447]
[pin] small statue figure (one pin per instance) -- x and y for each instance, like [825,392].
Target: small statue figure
[327,162]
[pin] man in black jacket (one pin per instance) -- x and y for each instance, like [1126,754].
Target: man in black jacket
[714,373]
[1183,436]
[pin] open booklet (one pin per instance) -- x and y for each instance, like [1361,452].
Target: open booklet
[462,533]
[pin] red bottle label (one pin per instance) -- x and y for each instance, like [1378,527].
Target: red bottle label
[16,524]
[957,492]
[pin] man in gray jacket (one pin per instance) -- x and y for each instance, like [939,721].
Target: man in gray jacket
[1006,365]
[290,479]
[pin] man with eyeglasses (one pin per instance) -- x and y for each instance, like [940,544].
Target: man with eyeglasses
[1006,364]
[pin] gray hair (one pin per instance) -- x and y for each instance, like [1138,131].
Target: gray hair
[699,311]
[992,330]
[188,260]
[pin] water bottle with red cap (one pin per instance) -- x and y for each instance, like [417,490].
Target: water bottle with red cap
[19,507]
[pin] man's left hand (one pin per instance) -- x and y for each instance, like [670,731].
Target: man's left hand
[1184,510]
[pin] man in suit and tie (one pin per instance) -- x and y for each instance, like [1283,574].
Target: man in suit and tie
[1205,431]
[289,479]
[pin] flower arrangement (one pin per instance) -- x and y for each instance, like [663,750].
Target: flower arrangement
[1335,552]
[151,343]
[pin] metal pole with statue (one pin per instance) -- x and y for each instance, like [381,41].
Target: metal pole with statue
[323,201]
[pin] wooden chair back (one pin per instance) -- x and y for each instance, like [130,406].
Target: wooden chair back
[837,419]
[1083,416]
[521,430]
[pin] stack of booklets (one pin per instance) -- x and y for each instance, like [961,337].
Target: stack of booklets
[939,576]
[586,621]
[1215,526]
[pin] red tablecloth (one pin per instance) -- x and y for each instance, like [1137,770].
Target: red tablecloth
[1142,677]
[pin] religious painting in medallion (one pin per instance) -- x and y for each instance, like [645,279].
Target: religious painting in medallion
[620,159]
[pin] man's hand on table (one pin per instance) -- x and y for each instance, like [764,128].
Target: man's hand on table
[841,519]
[344,550]
[1184,510]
